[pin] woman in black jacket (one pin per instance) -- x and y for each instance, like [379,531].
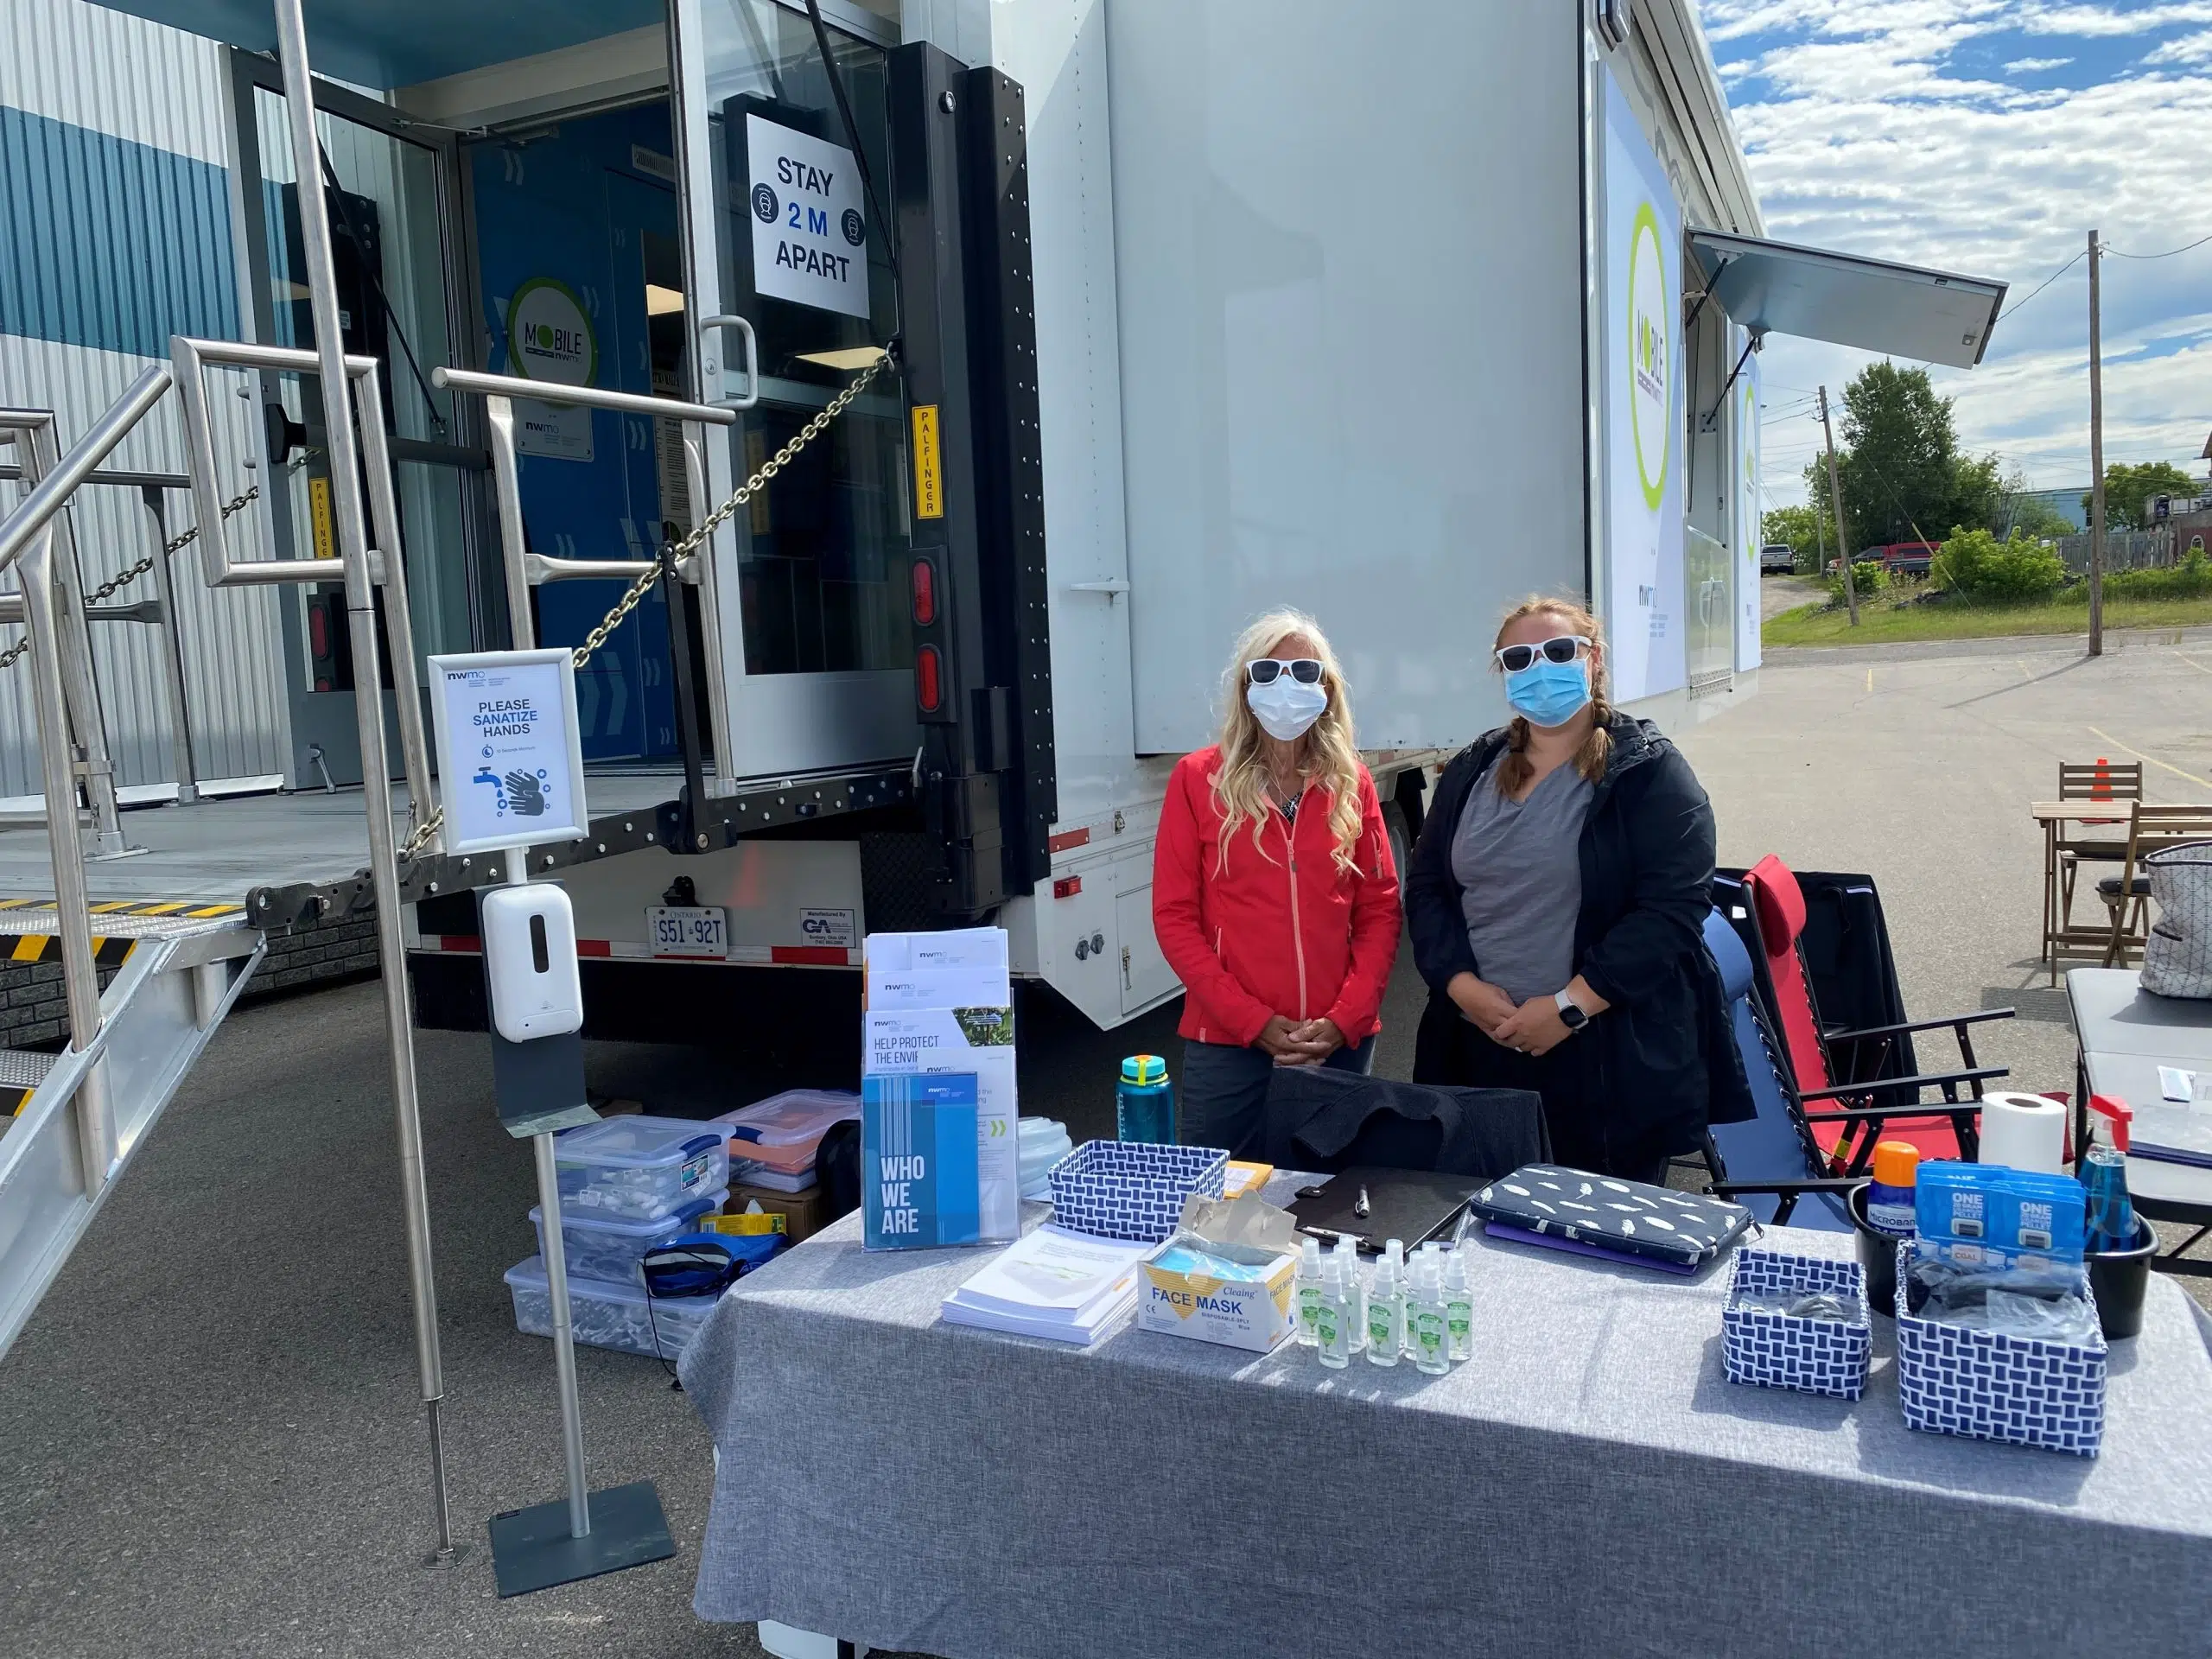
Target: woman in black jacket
[1556,901]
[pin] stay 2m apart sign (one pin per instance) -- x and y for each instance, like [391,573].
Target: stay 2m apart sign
[810,236]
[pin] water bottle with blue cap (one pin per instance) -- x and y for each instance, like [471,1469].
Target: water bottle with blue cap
[1144,1103]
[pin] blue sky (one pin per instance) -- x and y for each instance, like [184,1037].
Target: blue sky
[1987,136]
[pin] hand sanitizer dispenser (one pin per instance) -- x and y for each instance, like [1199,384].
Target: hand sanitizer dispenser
[530,953]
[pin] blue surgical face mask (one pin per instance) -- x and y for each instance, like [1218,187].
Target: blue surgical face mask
[1549,694]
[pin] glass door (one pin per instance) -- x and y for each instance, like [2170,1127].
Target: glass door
[389,192]
[816,643]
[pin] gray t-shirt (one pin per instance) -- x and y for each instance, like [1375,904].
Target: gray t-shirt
[1520,872]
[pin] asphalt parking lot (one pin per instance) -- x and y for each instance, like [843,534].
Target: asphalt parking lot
[211,1444]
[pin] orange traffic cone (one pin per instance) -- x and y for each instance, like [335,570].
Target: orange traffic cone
[2100,785]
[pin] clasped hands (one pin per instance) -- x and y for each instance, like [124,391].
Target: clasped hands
[1307,1043]
[1533,1027]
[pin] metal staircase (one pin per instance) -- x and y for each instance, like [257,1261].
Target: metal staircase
[91,1108]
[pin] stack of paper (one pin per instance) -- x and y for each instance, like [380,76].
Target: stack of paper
[1065,1287]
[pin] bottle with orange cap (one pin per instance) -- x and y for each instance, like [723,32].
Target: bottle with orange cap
[1890,1199]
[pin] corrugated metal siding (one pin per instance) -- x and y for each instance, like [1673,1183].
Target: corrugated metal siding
[147,103]
[117,245]
[72,61]
[234,673]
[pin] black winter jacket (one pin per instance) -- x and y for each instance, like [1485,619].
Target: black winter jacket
[1658,1064]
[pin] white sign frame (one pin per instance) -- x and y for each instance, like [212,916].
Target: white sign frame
[566,816]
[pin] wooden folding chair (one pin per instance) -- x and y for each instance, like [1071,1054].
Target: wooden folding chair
[2098,780]
[2151,828]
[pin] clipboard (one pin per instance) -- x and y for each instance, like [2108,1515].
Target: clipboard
[1372,1206]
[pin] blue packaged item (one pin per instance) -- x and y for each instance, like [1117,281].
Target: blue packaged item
[1144,1102]
[1977,1215]
[920,1168]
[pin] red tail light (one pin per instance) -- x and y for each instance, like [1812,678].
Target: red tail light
[318,630]
[929,689]
[925,593]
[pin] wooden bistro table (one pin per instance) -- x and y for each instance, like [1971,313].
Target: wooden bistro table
[2057,936]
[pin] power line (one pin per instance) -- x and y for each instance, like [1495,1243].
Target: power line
[2107,247]
[2041,285]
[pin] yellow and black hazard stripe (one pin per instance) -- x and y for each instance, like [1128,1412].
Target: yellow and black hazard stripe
[198,909]
[109,950]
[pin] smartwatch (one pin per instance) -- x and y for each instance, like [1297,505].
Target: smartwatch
[1570,1012]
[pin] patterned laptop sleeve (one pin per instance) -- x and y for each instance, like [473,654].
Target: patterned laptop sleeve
[1628,1217]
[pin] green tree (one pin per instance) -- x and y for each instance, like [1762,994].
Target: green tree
[1903,475]
[2127,489]
[2037,521]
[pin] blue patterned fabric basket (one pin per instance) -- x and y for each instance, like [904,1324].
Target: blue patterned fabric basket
[1954,1381]
[1127,1189]
[1776,1351]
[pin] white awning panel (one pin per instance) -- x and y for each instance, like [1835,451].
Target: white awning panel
[1931,316]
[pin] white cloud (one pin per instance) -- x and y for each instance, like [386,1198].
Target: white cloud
[1862,135]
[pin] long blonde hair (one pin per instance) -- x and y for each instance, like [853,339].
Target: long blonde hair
[1513,768]
[1329,757]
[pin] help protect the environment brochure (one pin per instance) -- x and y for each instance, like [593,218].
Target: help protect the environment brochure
[943,1004]
[918,1162]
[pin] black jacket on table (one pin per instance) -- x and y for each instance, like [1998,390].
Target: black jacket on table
[1659,1064]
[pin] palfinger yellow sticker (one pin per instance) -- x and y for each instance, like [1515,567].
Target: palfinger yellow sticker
[929,469]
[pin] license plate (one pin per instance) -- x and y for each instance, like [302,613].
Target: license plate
[687,930]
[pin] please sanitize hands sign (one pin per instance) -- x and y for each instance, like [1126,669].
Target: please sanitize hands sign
[511,771]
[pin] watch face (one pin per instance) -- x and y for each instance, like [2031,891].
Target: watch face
[1572,1017]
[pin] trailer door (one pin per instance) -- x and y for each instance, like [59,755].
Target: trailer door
[817,648]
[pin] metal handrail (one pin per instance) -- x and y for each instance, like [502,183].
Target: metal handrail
[27,537]
[387,565]
[554,392]
[52,492]
[525,570]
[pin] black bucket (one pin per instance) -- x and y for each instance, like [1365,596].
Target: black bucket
[1878,1254]
[2120,1279]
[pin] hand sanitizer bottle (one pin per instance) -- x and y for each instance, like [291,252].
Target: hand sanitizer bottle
[1425,1323]
[1333,1317]
[1347,1259]
[1306,1291]
[1459,1307]
[1386,1309]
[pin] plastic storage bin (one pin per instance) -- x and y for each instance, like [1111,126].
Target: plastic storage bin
[640,1168]
[784,1131]
[619,1316]
[1953,1380]
[1777,1351]
[610,1248]
[1132,1189]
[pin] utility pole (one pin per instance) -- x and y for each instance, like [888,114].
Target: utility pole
[2096,464]
[1835,501]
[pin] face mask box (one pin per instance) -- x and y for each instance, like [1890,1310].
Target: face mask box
[1987,1215]
[1227,1293]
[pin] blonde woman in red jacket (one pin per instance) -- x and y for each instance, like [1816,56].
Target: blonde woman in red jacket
[1273,895]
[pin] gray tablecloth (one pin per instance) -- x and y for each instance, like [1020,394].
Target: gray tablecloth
[2127,1035]
[1588,1484]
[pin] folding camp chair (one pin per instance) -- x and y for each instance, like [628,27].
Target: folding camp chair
[1848,1066]
[2127,895]
[1771,1161]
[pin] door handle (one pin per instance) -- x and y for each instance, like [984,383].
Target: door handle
[706,325]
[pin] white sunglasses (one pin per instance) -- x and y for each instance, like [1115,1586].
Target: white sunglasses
[1561,648]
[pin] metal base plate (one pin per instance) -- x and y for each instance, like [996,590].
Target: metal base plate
[531,1549]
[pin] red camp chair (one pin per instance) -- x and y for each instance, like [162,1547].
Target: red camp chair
[1778,908]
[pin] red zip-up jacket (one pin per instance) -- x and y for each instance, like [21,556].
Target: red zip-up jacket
[1279,929]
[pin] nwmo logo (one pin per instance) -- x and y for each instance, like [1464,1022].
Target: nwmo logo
[1650,351]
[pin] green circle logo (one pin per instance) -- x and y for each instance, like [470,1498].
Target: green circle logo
[1651,356]
[550,334]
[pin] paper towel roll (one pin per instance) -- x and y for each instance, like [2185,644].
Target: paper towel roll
[2023,1131]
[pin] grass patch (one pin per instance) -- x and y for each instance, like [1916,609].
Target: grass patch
[1879,622]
